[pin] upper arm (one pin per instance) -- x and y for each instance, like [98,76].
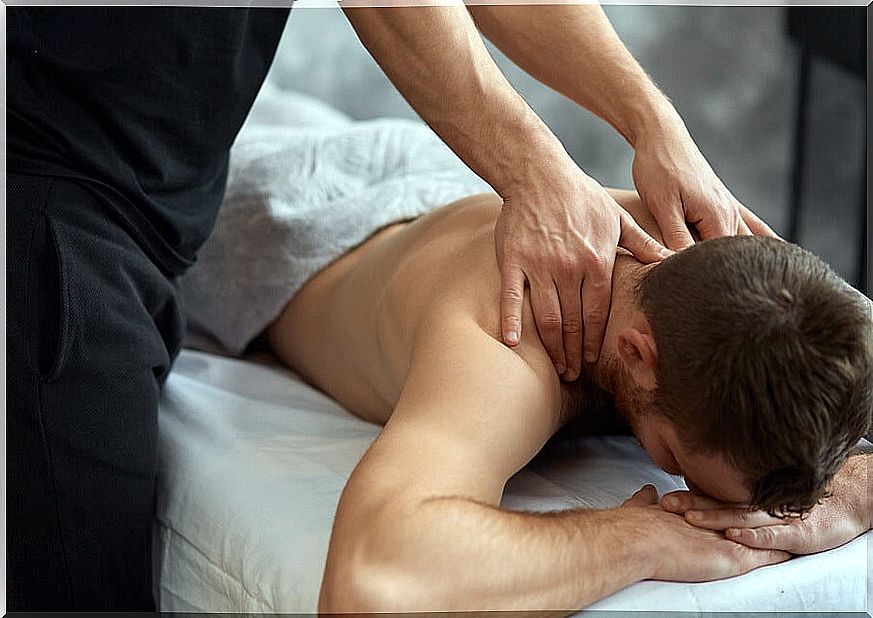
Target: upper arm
[472,412]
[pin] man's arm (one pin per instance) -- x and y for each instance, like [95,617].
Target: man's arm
[418,525]
[841,517]
[574,50]
[558,228]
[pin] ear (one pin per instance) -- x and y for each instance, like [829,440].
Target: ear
[639,354]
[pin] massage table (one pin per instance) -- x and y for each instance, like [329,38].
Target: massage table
[253,461]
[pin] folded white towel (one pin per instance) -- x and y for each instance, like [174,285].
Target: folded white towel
[298,197]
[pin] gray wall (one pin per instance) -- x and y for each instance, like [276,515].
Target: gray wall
[731,72]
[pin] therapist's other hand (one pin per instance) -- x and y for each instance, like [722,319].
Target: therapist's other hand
[836,520]
[558,230]
[678,186]
[679,551]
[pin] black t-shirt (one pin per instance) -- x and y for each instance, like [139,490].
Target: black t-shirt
[143,103]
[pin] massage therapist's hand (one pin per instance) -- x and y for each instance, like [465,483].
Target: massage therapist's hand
[686,553]
[835,521]
[559,231]
[679,187]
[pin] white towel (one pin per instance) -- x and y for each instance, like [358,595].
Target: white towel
[306,184]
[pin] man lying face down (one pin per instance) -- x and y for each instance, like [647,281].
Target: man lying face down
[743,363]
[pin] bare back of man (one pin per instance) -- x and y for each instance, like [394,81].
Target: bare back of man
[352,330]
[405,331]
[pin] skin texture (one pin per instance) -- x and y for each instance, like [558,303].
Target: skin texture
[405,331]
[558,229]
[838,519]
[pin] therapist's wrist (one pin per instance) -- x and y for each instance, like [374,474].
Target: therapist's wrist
[538,163]
[653,120]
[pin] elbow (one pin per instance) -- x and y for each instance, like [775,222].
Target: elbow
[361,587]
[386,566]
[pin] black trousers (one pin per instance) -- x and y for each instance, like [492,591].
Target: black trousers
[92,329]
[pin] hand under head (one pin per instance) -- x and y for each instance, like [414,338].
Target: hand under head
[745,364]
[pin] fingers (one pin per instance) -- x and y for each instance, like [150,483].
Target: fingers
[571,323]
[511,302]
[646,495]
[596,298]
[756,225]
[749,559]
[715,215]
[742,226]
[681,501]
[671,220]
[547,313]
[705,512]
[645,248]
[721,519]
[783,537]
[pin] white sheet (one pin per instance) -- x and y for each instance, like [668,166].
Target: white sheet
[253,462]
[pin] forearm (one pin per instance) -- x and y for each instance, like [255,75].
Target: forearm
[574,50]
[455,554]
[436,58]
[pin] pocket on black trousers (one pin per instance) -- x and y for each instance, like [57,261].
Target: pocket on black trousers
[47,302]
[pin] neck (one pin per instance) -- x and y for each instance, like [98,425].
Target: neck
[623,312]
[599,382]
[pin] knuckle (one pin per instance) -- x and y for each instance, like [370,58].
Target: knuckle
[550,321]
[511,294]
[676,225]
[765,536]
[594,315]
[513,251]
[597,262]
[516,255]
[567,265]
[599,286]
[737,551]
[729,554]
[572,326]
[745,558]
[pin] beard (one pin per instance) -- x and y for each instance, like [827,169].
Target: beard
[632,403]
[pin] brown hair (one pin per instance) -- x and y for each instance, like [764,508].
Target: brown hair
[765,356]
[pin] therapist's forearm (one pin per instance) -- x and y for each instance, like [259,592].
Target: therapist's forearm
[436,58]
[574,50]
